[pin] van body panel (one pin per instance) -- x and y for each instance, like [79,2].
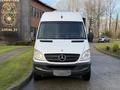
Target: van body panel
[60,46]
[61,16]
[59,49]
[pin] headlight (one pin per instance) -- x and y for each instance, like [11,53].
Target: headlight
[38,55]
[86,55]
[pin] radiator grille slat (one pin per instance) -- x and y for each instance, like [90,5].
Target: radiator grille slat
[56,57]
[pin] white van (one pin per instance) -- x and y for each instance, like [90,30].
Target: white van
[62,47]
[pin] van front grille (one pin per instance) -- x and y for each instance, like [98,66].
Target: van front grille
[62,57]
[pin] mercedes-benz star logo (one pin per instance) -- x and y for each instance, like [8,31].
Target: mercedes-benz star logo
[62,57]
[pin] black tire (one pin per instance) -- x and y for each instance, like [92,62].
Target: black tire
[87,76]
[37,77]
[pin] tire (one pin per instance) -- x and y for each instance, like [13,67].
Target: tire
[36,76]
[87,76]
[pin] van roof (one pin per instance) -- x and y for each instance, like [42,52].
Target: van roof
[61,16]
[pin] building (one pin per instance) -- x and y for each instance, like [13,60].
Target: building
[19,19]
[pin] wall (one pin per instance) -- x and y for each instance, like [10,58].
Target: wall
[27,20]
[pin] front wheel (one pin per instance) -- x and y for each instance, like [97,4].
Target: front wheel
[87,76]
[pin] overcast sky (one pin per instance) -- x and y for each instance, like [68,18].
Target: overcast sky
[63,3]
[59,4]
[50,2]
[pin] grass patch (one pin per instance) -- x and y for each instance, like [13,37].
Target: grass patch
[109,47]
[103,45]
[15,68]
[4,49]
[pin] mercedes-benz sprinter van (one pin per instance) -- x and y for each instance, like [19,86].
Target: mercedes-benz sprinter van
[61,47]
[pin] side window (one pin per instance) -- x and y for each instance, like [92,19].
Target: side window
[36,12]
[33,11]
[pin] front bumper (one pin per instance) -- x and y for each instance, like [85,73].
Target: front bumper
[46,69]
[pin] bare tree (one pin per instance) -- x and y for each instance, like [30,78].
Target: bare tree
[111,8]
[73,5]
[95,9]
[116,25]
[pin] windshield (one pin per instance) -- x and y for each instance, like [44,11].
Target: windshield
[61,30]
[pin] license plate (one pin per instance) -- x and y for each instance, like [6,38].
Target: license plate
[61,72]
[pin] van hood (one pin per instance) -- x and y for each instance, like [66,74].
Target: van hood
[61,46]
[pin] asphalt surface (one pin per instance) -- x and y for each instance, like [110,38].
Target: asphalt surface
[105,76]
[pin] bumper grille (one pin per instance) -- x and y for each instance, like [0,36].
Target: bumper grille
[55,67]
[62,57]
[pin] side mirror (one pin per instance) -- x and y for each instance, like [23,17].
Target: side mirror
[84,20]
[90,37]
